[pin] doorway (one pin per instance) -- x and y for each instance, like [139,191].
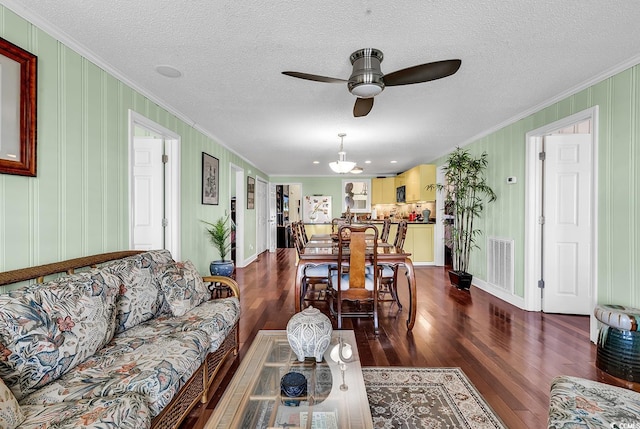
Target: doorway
[262,233]
[154,186]
[561,216]
[288,201]
[237,205]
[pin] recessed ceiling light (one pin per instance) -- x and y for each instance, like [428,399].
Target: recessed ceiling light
[367,162]
[394,162]
[168,71]
[316,162]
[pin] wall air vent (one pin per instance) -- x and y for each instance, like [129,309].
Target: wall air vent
[500,263]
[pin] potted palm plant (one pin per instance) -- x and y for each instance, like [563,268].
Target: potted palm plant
[219,233]
[465,192]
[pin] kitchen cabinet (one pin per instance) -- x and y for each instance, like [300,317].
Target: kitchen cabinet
[383,190]
[416,181]
[400,180]
[418,241]
[320,228]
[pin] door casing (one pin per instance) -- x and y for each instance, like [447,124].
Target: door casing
[533,195]
[172,180]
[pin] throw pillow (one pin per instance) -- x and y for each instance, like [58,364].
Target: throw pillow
[10,413]
[182,286]
[47,329]
[140,298]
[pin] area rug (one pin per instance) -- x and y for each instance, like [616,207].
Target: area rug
[426,398]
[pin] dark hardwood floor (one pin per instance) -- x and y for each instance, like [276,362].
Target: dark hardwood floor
[509,354]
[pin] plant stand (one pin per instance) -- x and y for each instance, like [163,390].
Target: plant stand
[460,279]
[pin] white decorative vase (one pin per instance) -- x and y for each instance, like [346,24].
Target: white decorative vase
[309,333]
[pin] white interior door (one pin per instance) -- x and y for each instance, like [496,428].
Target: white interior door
[272,218]
[148,193]
[261,216]
[567,224]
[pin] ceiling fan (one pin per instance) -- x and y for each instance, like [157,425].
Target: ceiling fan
[367,80]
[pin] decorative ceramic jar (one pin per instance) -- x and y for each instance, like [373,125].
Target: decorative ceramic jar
[309,333]
[221,268]
[293,385]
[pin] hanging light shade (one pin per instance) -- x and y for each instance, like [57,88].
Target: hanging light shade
[342,166]
[356,170]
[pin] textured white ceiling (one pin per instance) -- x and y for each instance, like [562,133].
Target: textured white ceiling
[516,55]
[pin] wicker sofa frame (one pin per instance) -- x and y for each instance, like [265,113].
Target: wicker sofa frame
[207,378]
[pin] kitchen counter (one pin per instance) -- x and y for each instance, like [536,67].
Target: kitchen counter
[418,241]
[379,221]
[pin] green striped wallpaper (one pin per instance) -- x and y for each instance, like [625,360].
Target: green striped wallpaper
[78,203]
[618,230]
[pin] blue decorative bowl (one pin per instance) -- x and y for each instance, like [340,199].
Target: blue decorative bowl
[293,385]
[221,268]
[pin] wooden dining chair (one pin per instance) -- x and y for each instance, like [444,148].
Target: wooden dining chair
[389,274]
[336,223]
[386,227]
[302,232]
[316,281]
[355,289]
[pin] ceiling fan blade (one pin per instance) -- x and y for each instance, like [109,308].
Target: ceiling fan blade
[314,77]
[422,73]
[362,107]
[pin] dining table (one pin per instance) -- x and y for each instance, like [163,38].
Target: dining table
[322,249]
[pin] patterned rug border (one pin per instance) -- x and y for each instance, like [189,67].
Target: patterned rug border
[411,376]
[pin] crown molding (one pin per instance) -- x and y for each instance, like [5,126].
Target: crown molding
[631,62]
[16,7]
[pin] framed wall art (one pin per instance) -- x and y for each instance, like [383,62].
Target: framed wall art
[356,196]
[18,80]
[210,179]
[251,192]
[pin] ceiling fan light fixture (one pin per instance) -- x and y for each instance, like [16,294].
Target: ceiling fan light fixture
[366,90]
[356,170]
[366,77]
[342,166]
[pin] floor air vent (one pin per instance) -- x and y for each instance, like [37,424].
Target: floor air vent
[500,263]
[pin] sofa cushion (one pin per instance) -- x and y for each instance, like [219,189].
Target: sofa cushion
[216,318]
[156,367]
[182,286]
[580,403]
[140,298]
[47,329]
[10,412]
[126,411]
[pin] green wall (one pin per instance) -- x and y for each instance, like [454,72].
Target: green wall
[78,203]
[618,203]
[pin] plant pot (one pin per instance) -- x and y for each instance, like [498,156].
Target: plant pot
[221,268]
[460,279]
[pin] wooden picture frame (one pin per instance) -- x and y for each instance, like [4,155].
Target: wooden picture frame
[210,179]
[251,193]
[18,92]
[356,195]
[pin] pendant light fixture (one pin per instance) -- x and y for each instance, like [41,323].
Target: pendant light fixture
[342,166]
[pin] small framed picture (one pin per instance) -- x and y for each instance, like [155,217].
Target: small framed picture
[251,193]
[210,179]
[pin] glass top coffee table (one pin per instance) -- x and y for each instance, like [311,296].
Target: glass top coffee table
[335,398]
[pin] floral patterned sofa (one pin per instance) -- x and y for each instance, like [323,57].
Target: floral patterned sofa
[581,403]
[133,343]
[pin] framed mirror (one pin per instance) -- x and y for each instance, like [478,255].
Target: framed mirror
[18,80]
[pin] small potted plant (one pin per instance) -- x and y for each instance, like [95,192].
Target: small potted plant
[219,233]
[465,192]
